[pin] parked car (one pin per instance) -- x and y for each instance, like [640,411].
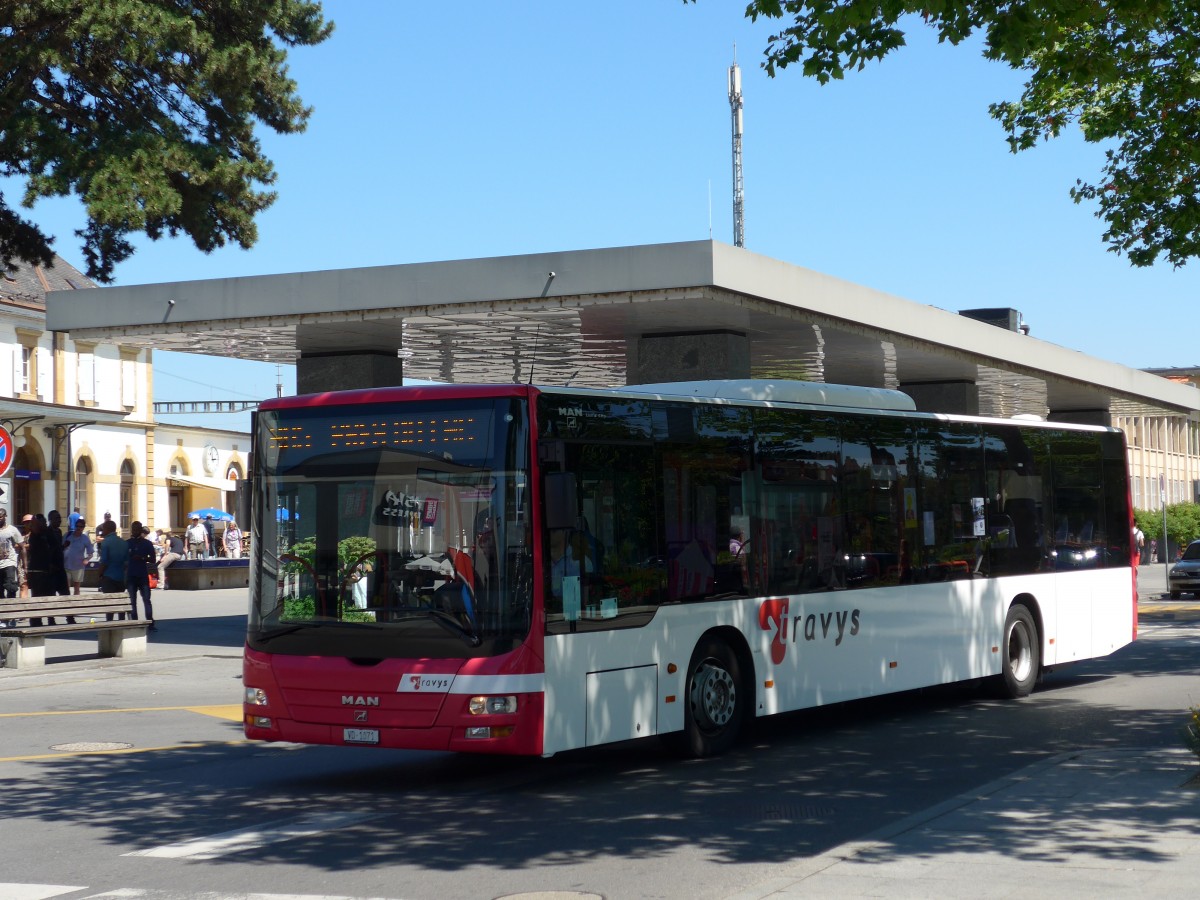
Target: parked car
[1184,576]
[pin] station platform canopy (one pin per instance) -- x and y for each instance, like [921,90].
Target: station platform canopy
[608,317]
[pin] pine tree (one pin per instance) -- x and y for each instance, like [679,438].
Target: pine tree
[145,110]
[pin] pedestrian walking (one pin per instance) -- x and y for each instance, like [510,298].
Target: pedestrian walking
[114,553]
[12,552]
[210,542]
[23,563]
[197,540]
[233,540]
[40,550]
[58,568]
[137,571]
[77,550]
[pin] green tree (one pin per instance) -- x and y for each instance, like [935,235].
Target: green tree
[353,552]
[1126,72]
[1183,523]
[146,110]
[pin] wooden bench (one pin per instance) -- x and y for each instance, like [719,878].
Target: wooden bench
[24,644]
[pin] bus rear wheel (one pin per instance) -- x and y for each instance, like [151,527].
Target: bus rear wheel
[1022,653]
[716,700]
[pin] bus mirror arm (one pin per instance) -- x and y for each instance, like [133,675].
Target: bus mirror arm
[561,500]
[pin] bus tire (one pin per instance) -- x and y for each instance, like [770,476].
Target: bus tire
[1022,660]
[716,700]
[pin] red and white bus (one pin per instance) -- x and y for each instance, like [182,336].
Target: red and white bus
[526,570]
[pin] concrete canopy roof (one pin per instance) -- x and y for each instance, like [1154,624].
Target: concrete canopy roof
[570,317]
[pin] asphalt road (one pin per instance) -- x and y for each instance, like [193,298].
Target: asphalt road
[179,806]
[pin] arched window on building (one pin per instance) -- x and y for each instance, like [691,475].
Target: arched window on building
[126,495]
[83,486]
[22,495]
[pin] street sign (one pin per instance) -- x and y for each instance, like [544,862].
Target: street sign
[7,451]
[5,492]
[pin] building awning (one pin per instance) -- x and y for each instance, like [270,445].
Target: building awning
[210,484]
[20,413]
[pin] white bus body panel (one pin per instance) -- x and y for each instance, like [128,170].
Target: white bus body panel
[621,704]
[834,646]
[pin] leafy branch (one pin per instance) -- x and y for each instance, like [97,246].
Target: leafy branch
[1126,73]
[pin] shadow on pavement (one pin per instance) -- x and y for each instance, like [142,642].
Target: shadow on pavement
[800,785]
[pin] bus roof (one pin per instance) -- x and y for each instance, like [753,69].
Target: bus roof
[734,391]
[781,391]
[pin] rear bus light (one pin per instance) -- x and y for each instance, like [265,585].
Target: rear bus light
[491,706]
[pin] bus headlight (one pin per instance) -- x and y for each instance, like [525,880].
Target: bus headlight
[255,696]
[490,706]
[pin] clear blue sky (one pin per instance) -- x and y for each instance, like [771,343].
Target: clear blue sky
[448,132]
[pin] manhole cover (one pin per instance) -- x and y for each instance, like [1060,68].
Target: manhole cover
[90,746]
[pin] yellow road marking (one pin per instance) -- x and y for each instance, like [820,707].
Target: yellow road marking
[232,712]
[188,746]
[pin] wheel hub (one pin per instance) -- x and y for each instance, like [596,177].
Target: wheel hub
[714,696]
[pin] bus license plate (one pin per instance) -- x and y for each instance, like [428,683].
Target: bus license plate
[360,735]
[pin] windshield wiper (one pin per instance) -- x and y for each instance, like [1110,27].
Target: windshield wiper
[455,627]
[280,632]
[292,629]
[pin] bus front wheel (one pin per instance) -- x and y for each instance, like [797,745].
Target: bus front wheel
[1022,653]
[716,700]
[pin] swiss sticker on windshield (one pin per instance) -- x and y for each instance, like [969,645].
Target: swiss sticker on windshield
[424,684]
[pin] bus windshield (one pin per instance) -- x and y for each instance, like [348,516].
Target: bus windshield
[392,532]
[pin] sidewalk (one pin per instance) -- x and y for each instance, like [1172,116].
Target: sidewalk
[190,623]
[1094,823]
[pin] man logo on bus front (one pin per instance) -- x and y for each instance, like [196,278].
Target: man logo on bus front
[772,617]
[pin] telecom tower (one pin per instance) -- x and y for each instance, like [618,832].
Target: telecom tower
[735,110]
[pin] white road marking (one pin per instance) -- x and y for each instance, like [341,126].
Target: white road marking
[251,838]
[141,894]
[13,891]
[36,891]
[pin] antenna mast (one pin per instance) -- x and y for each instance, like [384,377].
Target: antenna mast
[735,110]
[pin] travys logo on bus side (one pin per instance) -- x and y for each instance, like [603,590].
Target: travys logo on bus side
[835,625]
[772,617]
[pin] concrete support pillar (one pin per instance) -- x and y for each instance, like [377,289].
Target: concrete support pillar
[320,372]
[959,397]
[1081,416]
[690,356]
